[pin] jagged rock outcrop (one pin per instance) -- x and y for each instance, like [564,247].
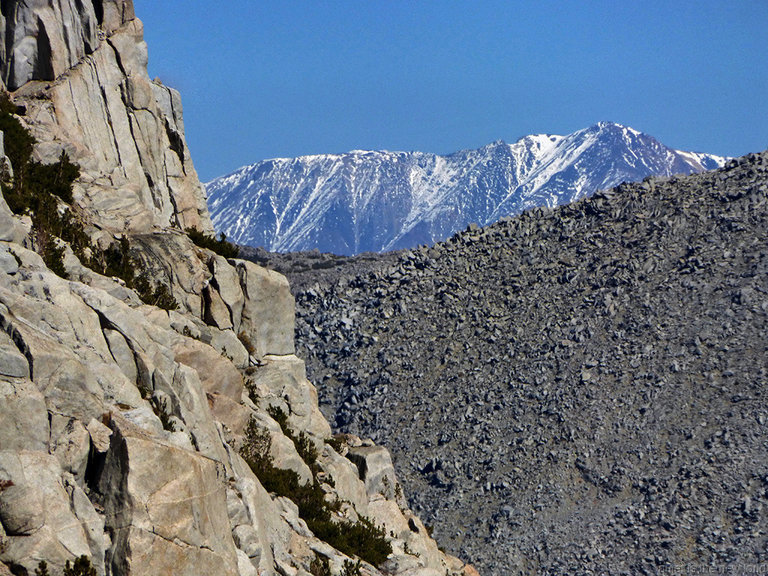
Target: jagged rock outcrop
[80,68]
[127,423]
[122,425]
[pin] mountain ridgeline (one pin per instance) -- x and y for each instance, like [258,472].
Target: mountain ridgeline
[377,201]
[579,390]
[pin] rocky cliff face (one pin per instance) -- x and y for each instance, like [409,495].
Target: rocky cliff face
[80,68]
[142,438]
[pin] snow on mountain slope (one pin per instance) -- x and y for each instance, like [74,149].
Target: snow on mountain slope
[378,200]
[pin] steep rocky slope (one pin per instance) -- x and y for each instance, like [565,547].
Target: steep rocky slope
[184,440]
[375,200]
[572,391]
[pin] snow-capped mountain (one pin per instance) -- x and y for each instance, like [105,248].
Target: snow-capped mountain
[375,201]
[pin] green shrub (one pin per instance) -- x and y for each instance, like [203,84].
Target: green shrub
[156,295]
[320,566]
[303,443]
[55,178]
[247,343]
[220,245]
[81,567]
[19,143]
[351,568]
[362,539]
[161,411]
[336,442]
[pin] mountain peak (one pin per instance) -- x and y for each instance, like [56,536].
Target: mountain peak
[376,201]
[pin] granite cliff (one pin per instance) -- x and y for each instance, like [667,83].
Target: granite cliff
[183,439]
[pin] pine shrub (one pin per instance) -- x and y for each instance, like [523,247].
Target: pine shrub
[218,245]
[362,539]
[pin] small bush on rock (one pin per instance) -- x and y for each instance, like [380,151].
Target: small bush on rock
[320,566]
[220,245]
[362,539]
[351,568]
[81,567]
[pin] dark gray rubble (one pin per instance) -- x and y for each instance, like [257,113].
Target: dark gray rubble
[583,390]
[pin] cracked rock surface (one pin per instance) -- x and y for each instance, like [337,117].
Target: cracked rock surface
[122,425]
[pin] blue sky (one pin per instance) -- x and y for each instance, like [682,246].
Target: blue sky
[286,78]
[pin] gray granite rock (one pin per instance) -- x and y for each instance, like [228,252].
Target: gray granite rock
[268,312]
[161,498]
[555,386]
[24,416]
[13,364]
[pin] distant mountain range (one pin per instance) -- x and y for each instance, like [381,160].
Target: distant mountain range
[377,200]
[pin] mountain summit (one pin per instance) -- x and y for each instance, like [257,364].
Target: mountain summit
[378,200]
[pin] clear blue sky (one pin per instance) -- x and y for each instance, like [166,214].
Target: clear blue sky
[285,78]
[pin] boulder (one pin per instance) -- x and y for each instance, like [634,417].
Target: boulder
[166,508]
[171,258]
[100,436]
[228,345]
[71,444]
[216,312]
[90,521]
[387,513]
[23,416]
[234,415]
[11,228]
[374,464]
[8,262]
[13,364]
[122,353]
[190,403]
[282,450]
[227,282]
[268,311]
[217,373]
[346,479]
[282,381]
[36,511]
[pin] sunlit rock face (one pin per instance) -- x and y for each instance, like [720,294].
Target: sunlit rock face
[122,424]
